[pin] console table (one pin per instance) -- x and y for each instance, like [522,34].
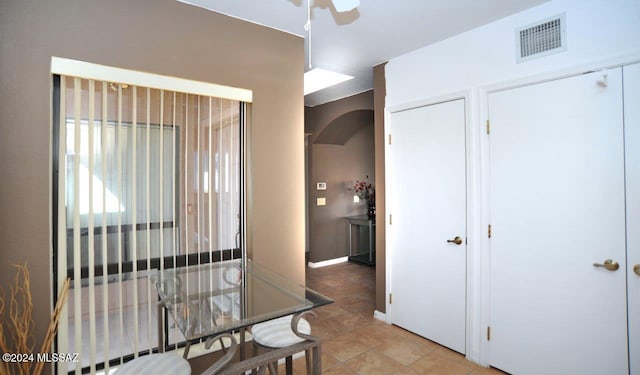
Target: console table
[369,257]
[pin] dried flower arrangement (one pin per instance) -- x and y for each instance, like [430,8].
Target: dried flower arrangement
[20,323]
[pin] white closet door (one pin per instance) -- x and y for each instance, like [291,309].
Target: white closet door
[632,160]
[558,207]
[429,204]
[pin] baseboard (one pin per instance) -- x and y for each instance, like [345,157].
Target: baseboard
[329,262]
[380,316]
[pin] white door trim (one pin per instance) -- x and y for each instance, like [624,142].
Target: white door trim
[473,173]
[632,186]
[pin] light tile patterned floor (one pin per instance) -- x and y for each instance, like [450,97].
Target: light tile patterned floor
[356,343]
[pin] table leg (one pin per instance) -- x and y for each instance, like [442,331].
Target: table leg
[255,354]
[370,242]
[309,359]
[289,365]
[317,360]
[350,248]
[242,342]
[160,328]
[186,350]
[273,368]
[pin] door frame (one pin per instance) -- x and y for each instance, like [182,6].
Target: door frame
[484,309]
[473,219]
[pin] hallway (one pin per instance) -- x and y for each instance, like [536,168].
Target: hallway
[356,343]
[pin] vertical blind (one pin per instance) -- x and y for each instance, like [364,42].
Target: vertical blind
[146,178]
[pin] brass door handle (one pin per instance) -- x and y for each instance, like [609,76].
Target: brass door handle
[609,264]
[457,241]
[636,269]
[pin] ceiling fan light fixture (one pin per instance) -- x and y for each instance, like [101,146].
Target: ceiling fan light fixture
[317,79]
[345,5]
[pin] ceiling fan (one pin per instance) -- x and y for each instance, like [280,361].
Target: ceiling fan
[345,5]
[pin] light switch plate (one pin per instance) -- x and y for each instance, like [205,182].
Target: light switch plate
[321,201]
[356,199]
[321,186]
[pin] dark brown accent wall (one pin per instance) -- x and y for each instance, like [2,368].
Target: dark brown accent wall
[325,114]
[379,93]
[339,166]
[157,36]
[338,163]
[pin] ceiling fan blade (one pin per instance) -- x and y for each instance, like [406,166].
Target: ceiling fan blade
[345,5]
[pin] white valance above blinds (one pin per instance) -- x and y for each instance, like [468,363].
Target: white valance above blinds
[86,70]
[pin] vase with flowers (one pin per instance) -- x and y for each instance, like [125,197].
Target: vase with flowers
[367,192]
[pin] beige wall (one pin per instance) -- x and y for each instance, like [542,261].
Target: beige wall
[379,89]
[158,36]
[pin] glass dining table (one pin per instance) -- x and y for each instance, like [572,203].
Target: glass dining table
[208,302]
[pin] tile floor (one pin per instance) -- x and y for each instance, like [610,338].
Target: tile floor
[356,343]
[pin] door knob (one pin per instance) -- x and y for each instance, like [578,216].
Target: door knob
[636,269]
[457,241]
[609,264]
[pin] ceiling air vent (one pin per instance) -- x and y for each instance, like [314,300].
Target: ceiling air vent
[541,39]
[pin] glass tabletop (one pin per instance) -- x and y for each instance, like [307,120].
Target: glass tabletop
[212,298]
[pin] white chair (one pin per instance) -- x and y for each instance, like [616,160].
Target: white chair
[163,363]
[278,333]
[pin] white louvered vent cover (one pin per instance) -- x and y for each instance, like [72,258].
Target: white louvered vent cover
[541,39]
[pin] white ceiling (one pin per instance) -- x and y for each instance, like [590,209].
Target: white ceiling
[377,31]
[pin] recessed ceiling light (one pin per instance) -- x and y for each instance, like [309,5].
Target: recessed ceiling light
[317,79]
